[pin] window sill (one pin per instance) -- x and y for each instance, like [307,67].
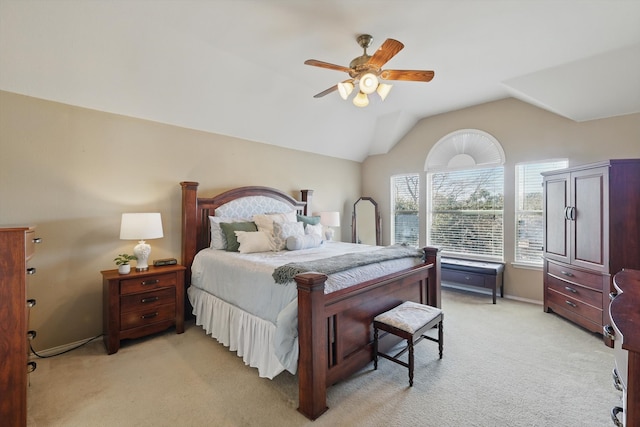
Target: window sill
[527,266]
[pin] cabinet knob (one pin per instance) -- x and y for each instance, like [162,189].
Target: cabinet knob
[614,416]
[566,273]
[149,316]
[31,270]
[150,282]
[148,300]
[612,295]
[31,303]
[572,304]
[37,240]
[31,366]
[31,335]
[570,289]
[609,332]
[616,380]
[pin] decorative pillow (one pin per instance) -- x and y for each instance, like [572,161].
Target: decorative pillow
[282,230]
[308,241]
[254,241]
[265,221]
[314,230]
[308,220]
[229,229]
[218,240]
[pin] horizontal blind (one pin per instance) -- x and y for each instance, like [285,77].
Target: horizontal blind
[406,203]
[529,219]
[466,216]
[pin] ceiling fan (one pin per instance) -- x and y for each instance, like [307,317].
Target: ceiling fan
[366,70]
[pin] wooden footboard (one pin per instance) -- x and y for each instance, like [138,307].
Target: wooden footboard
[334,330]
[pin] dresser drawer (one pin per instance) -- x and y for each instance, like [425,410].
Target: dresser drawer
[463,277]
[569,274]
[144,284]
[148,300]
[142,317]
[580,293]
[574,305]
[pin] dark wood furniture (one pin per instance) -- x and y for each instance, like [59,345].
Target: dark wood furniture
[489,275]
[335,333]
[409,322]
[141,303]
[625,320]
[591,231]
[17,246]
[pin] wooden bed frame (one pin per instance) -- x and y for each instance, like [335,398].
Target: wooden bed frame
[334,330]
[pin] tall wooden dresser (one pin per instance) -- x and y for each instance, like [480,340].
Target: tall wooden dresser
[17,245]
[591,232]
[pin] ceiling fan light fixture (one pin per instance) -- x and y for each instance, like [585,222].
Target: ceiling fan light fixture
[368,83]
[345,89]
[361,100]
[383,90]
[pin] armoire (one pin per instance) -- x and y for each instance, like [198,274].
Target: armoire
[591,232]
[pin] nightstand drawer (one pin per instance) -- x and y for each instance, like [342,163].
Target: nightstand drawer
[134,319]
[148,300]
[143,284]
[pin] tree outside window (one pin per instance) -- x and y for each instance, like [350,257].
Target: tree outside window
[405,199]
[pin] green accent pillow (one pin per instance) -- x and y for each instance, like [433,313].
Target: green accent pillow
[310,220]
[229,229]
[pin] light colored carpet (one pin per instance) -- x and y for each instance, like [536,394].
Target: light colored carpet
[508,364]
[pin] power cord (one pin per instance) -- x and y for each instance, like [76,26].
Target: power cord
[66,351]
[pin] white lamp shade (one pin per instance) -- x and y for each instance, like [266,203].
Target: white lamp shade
[345,89]
[383,90]
[330,219]
[361,100]
[141,226]
[368,83]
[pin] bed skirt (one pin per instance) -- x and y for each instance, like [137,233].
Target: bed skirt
[249,336]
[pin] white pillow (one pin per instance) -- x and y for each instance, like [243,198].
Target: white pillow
[254,241]
[282,230]
[308,241]
[265,221]
[218,239]
[314,230]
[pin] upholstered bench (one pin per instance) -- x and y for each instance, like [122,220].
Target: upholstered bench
[408,321]
[474,273]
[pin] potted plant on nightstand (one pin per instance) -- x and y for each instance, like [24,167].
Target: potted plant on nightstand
[122,261]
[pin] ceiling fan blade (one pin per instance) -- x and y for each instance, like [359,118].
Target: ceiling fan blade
[411,75]
[323,64]
[388,50]
[326,92]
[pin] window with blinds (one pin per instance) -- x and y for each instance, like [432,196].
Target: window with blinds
[466,212]
[405,200]
[529,219]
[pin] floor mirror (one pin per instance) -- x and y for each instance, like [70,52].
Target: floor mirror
[366,222]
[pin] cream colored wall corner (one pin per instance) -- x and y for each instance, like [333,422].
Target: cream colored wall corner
[526,133]
[73,171]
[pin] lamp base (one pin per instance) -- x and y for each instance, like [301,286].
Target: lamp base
[142,252]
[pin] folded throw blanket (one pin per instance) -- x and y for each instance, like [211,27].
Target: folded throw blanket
[285,273]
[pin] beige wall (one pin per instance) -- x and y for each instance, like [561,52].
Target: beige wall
[73,171]
[526,133]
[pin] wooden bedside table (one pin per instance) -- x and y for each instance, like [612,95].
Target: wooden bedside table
[141,303]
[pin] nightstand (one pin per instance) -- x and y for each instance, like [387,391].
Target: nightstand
[141,303]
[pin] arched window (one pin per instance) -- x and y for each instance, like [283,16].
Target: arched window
[465,195]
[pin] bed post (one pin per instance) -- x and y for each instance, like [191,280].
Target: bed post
[189,226]
[306,196]
[432,256]
[312,339]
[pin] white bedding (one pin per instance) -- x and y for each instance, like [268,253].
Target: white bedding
[236,300]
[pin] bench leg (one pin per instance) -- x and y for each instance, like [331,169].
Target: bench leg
[375,349]
[440,337]
[410,344]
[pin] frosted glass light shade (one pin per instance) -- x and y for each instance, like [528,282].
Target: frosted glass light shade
[345,89]
[328,220]
[383,90]
[141,226]
[360,100]
[368,83]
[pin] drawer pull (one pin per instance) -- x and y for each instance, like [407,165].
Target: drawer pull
[150,282]
[571,304]
[37,240]
[614,416]
[31,366]
[31,303]
[566,273]
[570,289]
[31,335]
[147,300]
[31,270]
[607,331]
[612,295]
[149,316]
[616,380]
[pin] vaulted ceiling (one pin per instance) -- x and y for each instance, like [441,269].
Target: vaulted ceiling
[235,67]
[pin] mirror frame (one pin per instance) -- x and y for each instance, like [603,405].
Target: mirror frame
[377,220]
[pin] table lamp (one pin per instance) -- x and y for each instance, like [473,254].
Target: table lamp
[328,220]
[141,226]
